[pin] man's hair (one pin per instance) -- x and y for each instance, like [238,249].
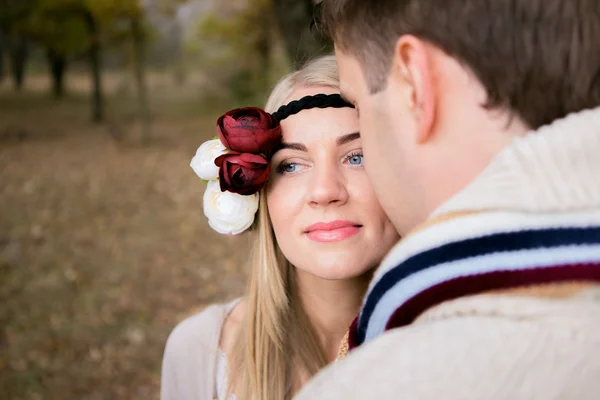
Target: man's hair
[539,59]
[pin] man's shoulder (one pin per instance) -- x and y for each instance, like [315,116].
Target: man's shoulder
[463,358]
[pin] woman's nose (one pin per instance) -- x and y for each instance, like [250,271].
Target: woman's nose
[327,186]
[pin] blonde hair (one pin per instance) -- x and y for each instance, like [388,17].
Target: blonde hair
[277,345]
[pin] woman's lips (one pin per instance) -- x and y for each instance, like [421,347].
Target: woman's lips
[335,231]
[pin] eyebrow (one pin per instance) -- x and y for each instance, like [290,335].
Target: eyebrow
[292,146]
[340,141]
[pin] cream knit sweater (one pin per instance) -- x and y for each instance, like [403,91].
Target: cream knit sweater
[537,342]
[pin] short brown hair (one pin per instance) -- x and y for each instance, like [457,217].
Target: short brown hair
[540,59]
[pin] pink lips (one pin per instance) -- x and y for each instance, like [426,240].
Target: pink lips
[334,231]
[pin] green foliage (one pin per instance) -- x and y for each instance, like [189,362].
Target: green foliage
[238,50]
[62,33]
[12,12]
[63,25]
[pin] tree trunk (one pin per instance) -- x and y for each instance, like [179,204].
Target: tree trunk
[58,65]
[140,77]
[179,74]
[95,66]
[18,60]
[263,49]
[301,43]
[2,51]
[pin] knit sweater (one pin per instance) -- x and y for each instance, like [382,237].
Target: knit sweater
[488,299]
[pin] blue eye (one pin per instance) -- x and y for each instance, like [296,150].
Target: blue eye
[288,168]
[356,159]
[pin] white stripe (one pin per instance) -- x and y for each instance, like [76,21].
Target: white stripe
[478,225]
[407,288]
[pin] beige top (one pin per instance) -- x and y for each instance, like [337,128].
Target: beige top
[189,369]
[222,377]
[496,346]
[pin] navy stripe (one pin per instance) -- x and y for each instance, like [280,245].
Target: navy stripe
[470,285]
[468,248]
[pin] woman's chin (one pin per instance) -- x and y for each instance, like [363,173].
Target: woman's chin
[336,271]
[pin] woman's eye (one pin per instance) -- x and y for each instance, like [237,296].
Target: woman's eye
[289,168]
[355,159]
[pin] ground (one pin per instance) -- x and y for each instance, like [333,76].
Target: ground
[103,244]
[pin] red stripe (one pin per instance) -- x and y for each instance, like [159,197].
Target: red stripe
[352,334]
[476,284]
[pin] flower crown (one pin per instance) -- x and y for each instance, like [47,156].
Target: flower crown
[236,165]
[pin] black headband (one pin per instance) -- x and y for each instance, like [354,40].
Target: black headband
[308,102]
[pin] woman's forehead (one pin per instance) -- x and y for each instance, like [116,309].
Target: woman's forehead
[319,124]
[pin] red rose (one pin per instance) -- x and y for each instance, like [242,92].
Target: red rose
[249,130]
[242,173]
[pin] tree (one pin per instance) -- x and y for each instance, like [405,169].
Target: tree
[2,51]
[95,53]
[294,19]
[70,28]
[179,72]
[67,28]
[12,13]
[57,62]
[163,11]
[61,34]
[18,50]
[139,43]
[237,46]
[124,20]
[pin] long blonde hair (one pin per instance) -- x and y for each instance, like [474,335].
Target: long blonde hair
[277,344]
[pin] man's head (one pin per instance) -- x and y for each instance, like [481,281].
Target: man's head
[443,85]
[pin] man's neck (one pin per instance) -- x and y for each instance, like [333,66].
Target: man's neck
[553,169]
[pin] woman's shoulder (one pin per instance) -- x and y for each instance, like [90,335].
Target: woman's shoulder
[232,325]
[191,353]
[201,329]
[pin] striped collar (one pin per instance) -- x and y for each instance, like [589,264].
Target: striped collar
[532,217]
[474,265]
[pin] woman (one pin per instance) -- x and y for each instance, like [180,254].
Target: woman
[320,232]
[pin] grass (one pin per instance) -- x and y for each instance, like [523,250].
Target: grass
[103,243]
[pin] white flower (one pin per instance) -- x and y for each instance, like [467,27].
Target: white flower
[229,213]
[203,162]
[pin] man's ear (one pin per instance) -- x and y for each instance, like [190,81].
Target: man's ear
[412,64]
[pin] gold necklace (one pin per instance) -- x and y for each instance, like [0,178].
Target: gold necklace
[343,349]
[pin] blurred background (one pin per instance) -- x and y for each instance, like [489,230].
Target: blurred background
[103,243]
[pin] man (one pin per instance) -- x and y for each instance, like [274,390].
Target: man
[480,123]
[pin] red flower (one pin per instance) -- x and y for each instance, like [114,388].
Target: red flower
[242,173]
[249,130]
